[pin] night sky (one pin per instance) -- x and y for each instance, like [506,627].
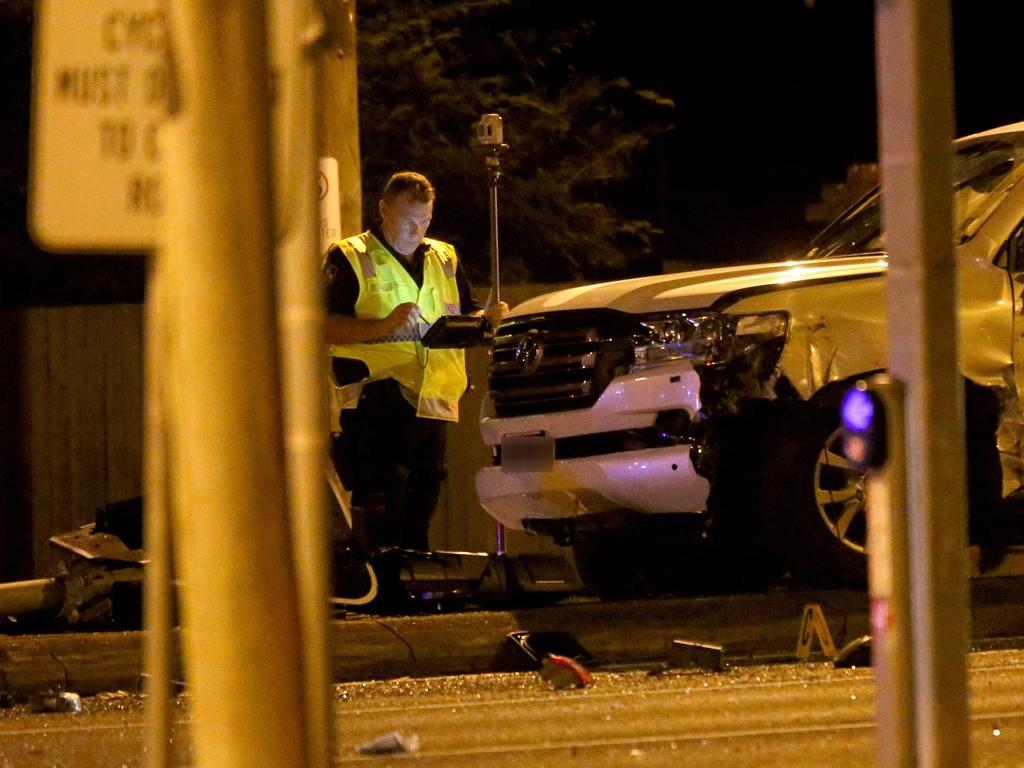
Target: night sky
[775,97]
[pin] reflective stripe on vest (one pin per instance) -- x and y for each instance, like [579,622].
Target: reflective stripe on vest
[436,376]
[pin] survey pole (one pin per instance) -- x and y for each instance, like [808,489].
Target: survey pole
[915,105]
[295,38]
[242,634]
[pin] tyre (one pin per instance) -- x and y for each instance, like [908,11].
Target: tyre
[812,499]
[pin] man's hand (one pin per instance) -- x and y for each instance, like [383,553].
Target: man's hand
[402,316]
[495,313]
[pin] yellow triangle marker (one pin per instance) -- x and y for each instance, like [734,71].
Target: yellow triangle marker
[813,625]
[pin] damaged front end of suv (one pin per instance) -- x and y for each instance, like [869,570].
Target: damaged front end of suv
[620,430]
[684,426]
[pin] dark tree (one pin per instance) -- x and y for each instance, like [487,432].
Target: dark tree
[429,71]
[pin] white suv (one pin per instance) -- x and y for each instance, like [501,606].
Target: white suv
[683,427]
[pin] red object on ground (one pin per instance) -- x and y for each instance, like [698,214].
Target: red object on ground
[563,672]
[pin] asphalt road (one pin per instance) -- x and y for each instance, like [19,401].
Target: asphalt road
[747,626]
[794,715]
[489,714]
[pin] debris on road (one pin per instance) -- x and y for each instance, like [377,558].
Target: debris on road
[390,744]
[65,701]
[142,685]
[856,653]
[689,654]
[539,645]
[563,672]
[113,696]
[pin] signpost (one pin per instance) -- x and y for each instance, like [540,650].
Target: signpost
[100,90]
[329,191]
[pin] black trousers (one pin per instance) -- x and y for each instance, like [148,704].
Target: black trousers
[393,462]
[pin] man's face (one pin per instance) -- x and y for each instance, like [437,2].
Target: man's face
[404,222]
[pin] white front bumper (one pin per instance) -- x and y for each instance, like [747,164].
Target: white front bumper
[652,480]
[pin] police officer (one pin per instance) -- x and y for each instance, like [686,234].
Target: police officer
[383,287]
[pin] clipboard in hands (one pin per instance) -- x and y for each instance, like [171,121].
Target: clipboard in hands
[457,332]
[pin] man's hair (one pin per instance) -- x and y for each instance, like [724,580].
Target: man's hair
[416,185]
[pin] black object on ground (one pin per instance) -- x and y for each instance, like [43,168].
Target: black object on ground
[689,654]
[856,653]
[537,646]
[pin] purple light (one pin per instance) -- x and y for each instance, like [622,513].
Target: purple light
[858,410]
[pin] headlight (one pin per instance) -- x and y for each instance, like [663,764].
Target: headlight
[706,338]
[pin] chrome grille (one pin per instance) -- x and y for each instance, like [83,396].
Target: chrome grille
[560,361]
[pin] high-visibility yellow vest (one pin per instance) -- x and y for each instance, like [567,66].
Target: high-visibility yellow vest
[436,378]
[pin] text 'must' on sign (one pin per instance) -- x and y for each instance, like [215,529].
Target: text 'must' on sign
[100,90]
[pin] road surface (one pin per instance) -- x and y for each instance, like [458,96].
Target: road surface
[792,715]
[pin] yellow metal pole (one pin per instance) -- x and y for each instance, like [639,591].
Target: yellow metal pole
[242,634]
[339,108]
[158,589]
[295,31]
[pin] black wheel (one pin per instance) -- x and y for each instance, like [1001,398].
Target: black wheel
[812,499]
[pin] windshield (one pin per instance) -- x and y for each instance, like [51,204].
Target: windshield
[984,170]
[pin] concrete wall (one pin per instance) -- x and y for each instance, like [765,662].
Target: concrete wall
[71,414]
[71,423]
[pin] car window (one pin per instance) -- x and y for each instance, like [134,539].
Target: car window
[859,230]
[984,171]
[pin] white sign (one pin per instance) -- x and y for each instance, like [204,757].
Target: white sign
[100,91]
[330,203]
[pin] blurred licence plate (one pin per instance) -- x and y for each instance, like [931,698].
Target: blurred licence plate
[527,453]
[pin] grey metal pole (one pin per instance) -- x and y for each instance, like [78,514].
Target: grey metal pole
[889,587]
[913,49]
[493,179]
[31,596]
[490,135]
